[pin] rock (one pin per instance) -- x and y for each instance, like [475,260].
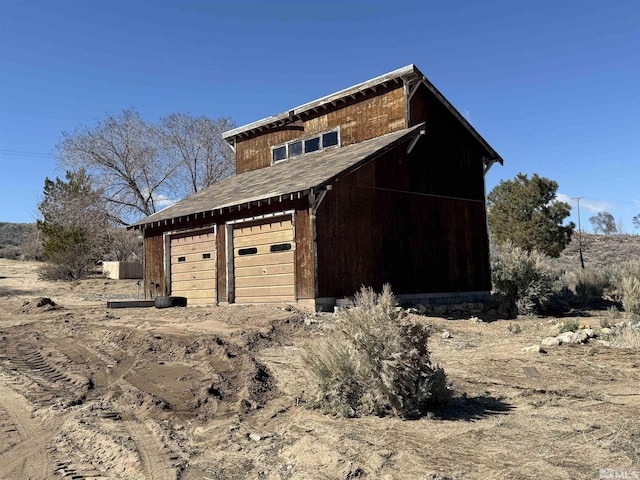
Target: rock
[412,310]
[550,342]
[590,332]
[606,331]
[573,337]
[446,334]
[534,348]
[476,319]
[255,437]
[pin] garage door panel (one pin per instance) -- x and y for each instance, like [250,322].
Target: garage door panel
[196,275]
[261,260]
[264,239]
[270,299]
[184,239]
[192,257]
[267,291]
[195,294]
[265,228]
[194,248]
[265,280]
[202,265]
[265,270]
[194,284]
[264,249]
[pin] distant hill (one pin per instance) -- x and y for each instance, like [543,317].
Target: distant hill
[600,251]
[13,236]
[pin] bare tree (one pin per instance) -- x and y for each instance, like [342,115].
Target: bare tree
[197,143]
[141,167]
[604,223]
[122,155]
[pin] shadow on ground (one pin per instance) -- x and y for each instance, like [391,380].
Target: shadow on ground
[12,292]
[474,408]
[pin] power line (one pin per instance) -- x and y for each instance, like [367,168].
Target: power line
[18,153]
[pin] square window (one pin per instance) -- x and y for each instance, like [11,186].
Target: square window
[295,149]
[279,153]
[329,139]
[312,145]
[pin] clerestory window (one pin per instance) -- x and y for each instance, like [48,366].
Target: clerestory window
[296,148]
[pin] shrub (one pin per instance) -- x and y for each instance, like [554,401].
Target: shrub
[514,328]
[588,285]
[570,326]
[626,337]
[629,286]
[524,276]
[374,362]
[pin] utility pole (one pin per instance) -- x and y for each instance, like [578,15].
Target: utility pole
[579,231]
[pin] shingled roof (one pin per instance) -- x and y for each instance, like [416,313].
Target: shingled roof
[285,178]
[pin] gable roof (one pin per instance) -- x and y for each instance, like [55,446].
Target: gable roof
[288,177]
[410,74]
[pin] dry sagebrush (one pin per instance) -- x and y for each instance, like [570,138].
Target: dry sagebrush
[629,286]
[376,363]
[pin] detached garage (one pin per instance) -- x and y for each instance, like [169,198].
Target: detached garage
[382,182]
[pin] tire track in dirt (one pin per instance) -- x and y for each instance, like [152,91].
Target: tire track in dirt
[27,458]
[41,380]
[154,464]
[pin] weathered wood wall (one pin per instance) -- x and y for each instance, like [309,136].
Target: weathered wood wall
[365,117]
[305,270]
[154,281]
[416,222]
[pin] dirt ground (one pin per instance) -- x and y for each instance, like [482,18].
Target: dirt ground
[218,393]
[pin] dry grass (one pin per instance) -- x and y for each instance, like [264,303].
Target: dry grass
[626,337]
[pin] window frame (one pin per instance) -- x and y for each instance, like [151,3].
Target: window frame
[321,148]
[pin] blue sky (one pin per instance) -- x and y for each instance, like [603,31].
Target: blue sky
[553,86]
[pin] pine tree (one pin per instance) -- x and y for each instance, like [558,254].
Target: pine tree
[527,212]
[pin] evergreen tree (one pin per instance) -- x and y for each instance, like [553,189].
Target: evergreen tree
[74,225]
[526,211]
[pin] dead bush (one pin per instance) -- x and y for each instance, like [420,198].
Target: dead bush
[626,337]
[588,285]
[629,286]
[376,363]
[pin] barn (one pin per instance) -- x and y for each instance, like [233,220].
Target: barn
[382,182]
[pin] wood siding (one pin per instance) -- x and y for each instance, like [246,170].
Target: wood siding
[305,268]
[154,281]
[221,263]
[360,119]
[389,222]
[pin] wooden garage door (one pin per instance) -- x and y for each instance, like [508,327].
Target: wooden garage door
[193,268]
[263,257]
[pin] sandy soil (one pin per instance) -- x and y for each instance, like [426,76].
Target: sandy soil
[218,393]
